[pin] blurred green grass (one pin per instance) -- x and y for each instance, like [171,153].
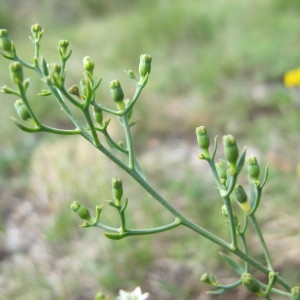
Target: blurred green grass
[218,64]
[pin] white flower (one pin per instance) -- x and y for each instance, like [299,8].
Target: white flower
[134,295]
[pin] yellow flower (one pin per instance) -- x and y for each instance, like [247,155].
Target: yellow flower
[292,78]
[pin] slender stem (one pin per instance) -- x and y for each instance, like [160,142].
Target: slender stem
[91,126]
[131,232]
[24,98]
[129,142]
[226,202]
[45,128]
[262,241]
[231,222]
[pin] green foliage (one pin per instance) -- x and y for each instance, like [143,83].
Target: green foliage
[84,101]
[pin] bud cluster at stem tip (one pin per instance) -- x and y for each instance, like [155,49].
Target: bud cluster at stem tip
[37,31]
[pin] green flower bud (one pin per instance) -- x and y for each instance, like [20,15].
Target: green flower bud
[36,28]
[117,187]
[22,110]
[203,138]
[253,168]
[98,115]
[231,151]
[63,46]
[295,291]
[5,41]
[131,74]
[100,296]
[221,167]
[117,94]
[81,211]
[145,65]
[85,87]
[16,73]
[88,64]
[208,278]
[250,283]
[37,31]
[241,197]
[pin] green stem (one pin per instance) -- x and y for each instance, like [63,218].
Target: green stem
[188,223]
[226,202]
[91,127]
[132,232]
[262,241]
[129,143]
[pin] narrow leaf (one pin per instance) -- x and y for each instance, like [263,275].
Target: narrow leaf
[233,264]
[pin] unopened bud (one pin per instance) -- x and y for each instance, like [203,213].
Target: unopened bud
[253,168]
[88,64]
[37,31]
[63,46]
[22,110]
[295,292]
[81,211]
[221,167]
[250,283]
[85,87]
[145,65]
[5,41]
[16,72]
[208,278]
[117,94]
[241,197]
[203,138]
[98,115]
[117,187]
[231,151]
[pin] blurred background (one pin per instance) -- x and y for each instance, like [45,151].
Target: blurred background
[215,63]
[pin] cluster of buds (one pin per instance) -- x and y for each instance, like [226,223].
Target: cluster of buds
[63,49]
